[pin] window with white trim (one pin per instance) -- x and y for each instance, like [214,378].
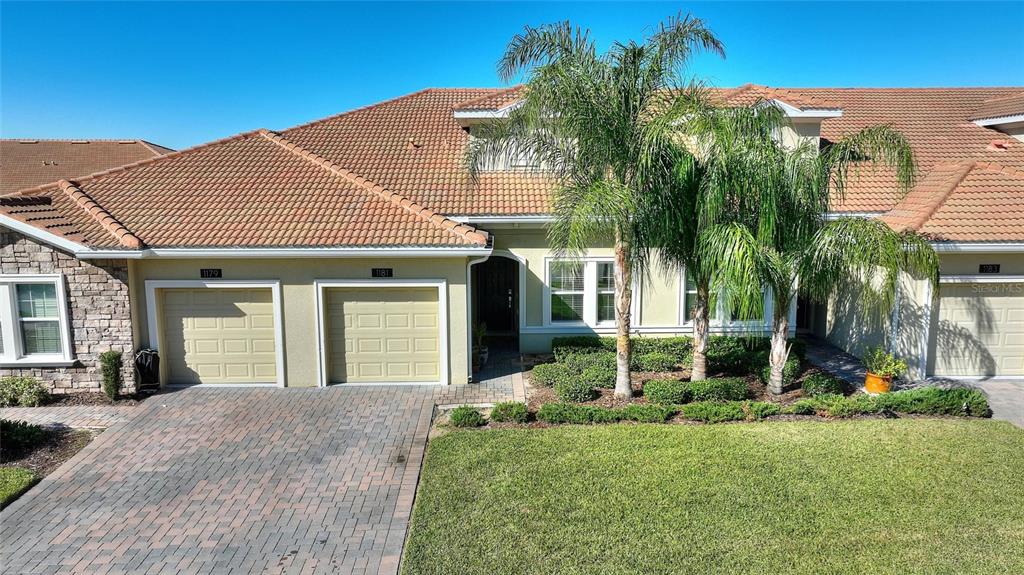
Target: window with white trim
[581,292]
[33,320]
[719,315]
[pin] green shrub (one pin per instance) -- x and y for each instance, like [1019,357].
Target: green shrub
[727,354]
[880,362]
[761,409]
[798,348]
[22,391]
[667,391]
[677,348]
[803,407]
[653,361]
[20,437]
[820,383]
[465,416]
[714,411]
[509,411]
[790,371]
[588,414]
[934,401]
[110,365]
[13,482]
[599,376]
[647,413]
[550,374]
[719,389]
[579,361]
[576,389]
[583,341]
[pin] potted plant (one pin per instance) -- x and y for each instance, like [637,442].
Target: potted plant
[882,368]
[480,351]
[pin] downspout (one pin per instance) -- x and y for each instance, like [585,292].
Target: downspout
[469,312]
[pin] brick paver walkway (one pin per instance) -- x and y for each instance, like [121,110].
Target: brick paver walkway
[232,481]
[77,416]
[501,380]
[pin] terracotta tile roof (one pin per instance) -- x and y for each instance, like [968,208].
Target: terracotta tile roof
[999,107]
[251,190]
[414,147]
[495,100]
[972,200]
[29,163]
[749,94]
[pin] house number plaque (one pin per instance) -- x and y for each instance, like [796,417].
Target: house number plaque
[209,273]
[382,272]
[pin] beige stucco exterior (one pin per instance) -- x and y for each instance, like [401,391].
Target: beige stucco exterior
[296,276]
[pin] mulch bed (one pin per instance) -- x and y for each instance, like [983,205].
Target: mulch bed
[59,446]
[92,398]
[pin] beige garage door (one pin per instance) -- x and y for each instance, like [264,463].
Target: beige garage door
[980,330]
[382,335]
[215,335]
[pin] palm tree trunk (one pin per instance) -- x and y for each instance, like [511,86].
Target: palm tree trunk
[701,322]
[780,347]
[623,303]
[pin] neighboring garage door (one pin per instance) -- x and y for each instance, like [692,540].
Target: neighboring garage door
[218,335]
[980,330]
[382,335]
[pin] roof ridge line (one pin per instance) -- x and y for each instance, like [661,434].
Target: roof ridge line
[465,231]
[108,222]
[958,177]
[468,103]
[122,168]
[149,147]
[359,109]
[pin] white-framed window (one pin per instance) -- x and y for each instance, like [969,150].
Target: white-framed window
[34,320]
[719,315]
[581,291]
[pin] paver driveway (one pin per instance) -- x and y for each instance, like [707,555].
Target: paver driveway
[232,481]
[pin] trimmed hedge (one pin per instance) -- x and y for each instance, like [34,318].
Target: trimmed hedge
[821,383]
[20,437]
[466,416]
[550,374]
[653,361]
[678,348]
[719,389]
[589,414]
[22,391]
[110,365]
[510,411]
[743,355]
[668,391]
[582,360]
[576,390]
[599,376]
[923,400]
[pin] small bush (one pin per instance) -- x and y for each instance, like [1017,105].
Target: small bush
[803,407]
[578,390]
[880,362]
[677,348]
[667,391]
[20,437]
[719,389]
[727,354]
[934,401]
[579,361]
[713,411]
[22,391]
[821,383]
[550,374]
[790,371]
[761,409]
[599,376]
[465,416]
[798,348]
[110,364]
[588,414]
[647,413]
[654,361]
[509,412]
[584,341]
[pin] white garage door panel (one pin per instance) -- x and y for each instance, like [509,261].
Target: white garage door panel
[382,335]
[980,330]
[219,335]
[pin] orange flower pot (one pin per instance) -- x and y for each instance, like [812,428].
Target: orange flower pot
[874,383]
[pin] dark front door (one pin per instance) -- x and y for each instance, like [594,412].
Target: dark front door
[496,286]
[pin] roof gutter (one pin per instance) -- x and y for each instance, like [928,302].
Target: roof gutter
[978,247]
[368,252]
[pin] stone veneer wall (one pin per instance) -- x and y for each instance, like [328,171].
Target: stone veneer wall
[98,303]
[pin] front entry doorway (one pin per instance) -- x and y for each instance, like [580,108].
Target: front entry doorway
[496,303]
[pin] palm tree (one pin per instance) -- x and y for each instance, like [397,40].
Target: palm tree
[766,212]
[603,126]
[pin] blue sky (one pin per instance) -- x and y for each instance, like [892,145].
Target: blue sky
[182,74]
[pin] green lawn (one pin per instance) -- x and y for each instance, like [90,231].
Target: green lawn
[863,496]
[13,482]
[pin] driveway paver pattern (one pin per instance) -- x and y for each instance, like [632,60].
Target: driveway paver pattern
[232,481]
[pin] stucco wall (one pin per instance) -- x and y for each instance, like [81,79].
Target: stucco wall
[299,298]
[98,305]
